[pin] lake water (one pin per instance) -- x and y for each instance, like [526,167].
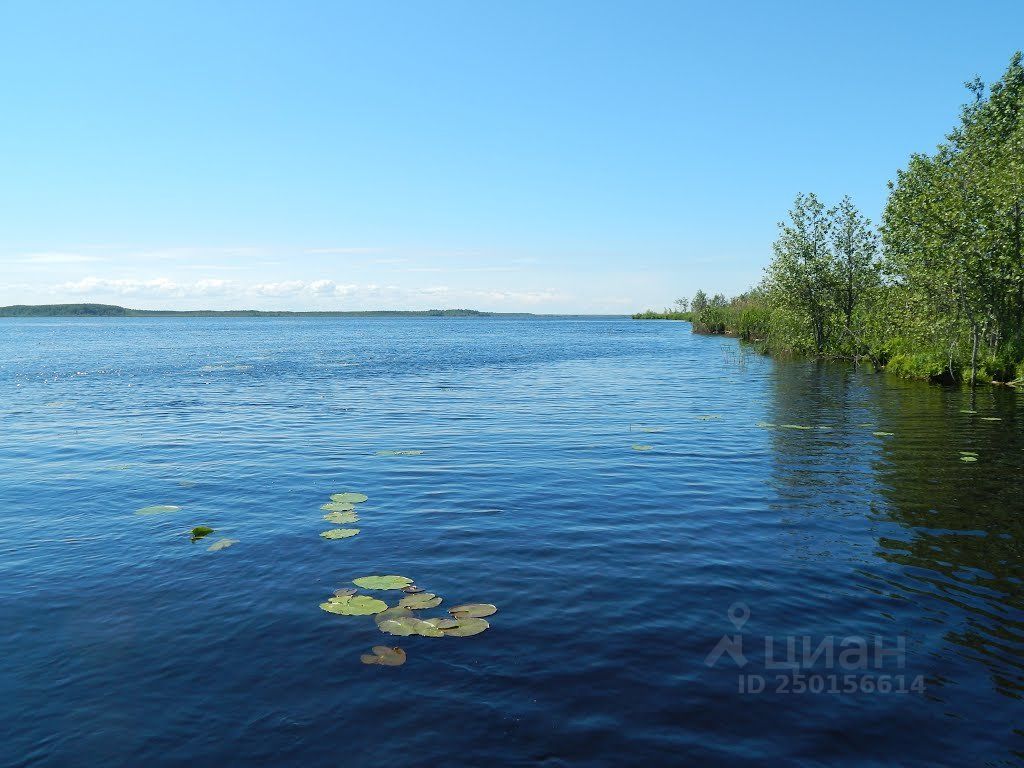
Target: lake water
[616,571]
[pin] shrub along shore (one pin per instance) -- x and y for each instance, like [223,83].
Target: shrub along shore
[936,292]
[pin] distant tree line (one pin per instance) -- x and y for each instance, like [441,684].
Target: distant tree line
[112,310]
[937,291]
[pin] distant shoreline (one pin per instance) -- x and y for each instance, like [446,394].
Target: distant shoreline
[113,310]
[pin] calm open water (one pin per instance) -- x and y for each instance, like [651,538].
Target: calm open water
[616,571]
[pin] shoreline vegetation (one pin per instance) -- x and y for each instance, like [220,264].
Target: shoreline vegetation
[934,293]
[112,310]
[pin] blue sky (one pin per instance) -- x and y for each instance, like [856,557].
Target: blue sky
[538,155]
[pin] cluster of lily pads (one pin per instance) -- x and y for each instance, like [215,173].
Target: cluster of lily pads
[197,533]
[405,618]
[341,510]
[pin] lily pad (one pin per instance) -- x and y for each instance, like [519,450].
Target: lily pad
[220,544]
[201,530]
[393,613]
[420,601]
[341,517]
[442,623]
[349,498]
[468,627]
[643,448]
[882,434]
[968,459]
[403,626]
[384,656]
[340,533]
[382,582]
[354,605]
[337,506]
[399,453]
[968,453]
[473,610]
[158,509]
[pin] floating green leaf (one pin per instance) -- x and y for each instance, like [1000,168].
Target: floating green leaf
[399,453]
[220,544]
[793,426]
[349,498]
[643,448]
[382,582]
[157,509]
[467,627]
[991,418]
[765,424]
[404,626]
[201,530]
[340,533]
[393,613]
[967,410]
[968,458]
[420,601]
[341,517]
[442,623]
[968,453]
[472,610]
[337,506]
[384,656]
[354,605]
[882,434]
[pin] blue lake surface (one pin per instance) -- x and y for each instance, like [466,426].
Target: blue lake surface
[616,571]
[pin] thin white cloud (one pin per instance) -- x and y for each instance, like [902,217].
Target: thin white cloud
[321,288]
[55,257]
[301,293]
[157,287]
[340,251]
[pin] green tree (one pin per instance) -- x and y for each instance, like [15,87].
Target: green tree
[801,274]
[855,267]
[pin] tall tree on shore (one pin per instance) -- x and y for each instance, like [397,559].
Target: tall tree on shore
[801,274]
[855,249]
[699,303]
[953,228]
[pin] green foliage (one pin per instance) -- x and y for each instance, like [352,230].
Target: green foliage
[665,314]
[938,292]
[920,365]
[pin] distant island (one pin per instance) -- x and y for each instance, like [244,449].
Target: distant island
[112,310]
